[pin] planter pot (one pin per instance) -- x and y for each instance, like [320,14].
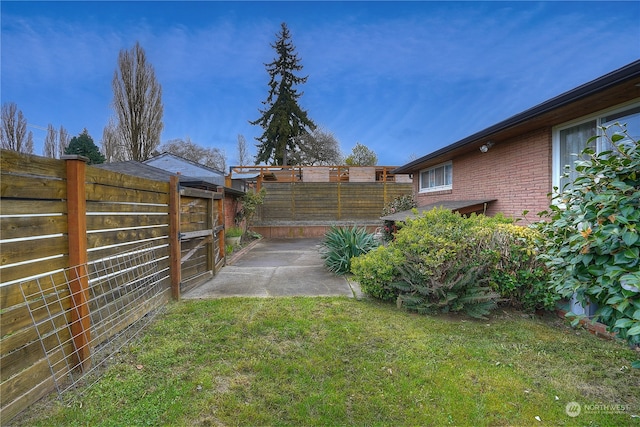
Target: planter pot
[233,241]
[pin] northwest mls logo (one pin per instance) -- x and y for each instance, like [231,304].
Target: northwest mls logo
[573,409]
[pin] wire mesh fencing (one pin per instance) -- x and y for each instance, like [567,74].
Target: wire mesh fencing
[80,328]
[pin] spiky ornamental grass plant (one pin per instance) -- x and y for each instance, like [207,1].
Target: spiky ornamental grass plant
[341,244]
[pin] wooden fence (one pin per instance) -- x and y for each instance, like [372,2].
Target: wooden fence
[56,214]
[307,209]
[329,202]
[334,174]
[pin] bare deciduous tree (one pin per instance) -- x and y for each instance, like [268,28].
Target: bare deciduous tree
[112,147]
[319,147]
[63,141]
[28,146]
[50,148]
[13,135]
[243,152]
[137,102]
[187,149]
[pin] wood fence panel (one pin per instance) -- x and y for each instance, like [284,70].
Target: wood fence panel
[115,179]
[35,268]
[95,207]
[99,192]
[107,238]
[105,222]
[103,251]
[20,316]
[20,251]
[21,384]
[32,207]
[122,212]
[33,226]
[324,202]
[11,295]
[23,187]
[13,162]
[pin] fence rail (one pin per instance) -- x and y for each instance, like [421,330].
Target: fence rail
[333,174]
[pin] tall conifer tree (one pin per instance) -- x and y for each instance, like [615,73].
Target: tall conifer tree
[282,118]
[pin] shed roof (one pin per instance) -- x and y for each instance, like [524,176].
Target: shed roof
[620,85]
[173,163]
[131,167]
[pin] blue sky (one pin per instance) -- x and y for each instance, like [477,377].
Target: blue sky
[403,78]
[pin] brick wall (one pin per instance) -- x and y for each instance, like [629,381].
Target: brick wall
[516,172]
[232,204]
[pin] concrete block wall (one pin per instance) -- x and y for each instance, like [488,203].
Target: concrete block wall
[516,172]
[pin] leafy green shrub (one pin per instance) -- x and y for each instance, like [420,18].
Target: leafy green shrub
[444,262]
[376,270]
[342,244]
[234,232]
[592,242]
[519,276]
[251,200]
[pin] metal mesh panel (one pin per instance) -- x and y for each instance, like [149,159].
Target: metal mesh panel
[124,295]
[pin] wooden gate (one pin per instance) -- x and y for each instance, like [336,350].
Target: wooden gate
[197,236]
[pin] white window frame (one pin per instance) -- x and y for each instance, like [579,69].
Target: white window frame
[424,189]
[557,169]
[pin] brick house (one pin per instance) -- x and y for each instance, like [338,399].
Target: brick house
[513,165]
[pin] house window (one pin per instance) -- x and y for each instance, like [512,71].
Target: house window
[570,139]
[436,178]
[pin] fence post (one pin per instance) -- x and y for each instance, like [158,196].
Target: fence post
[174,237]
[77,235]
[223,221]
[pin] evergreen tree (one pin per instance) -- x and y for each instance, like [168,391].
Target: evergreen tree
[282,119]
[83,145]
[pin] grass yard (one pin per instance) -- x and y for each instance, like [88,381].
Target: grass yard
[339,361]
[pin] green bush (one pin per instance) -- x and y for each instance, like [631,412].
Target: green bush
[446,261]
[592,243]
[442,261]
[342,244]
[377,270]
[520,277]
[234,232]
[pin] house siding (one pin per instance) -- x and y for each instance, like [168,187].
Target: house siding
[515,172]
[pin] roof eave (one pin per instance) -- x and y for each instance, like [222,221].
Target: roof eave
[600,84]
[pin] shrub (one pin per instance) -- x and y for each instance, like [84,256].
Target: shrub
[592,241]
[520,277]
[234,232]
[377,270]
[443,261]
[251,200]
[342,244]
[446,262]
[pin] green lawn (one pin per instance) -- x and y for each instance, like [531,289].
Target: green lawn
[339,361]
